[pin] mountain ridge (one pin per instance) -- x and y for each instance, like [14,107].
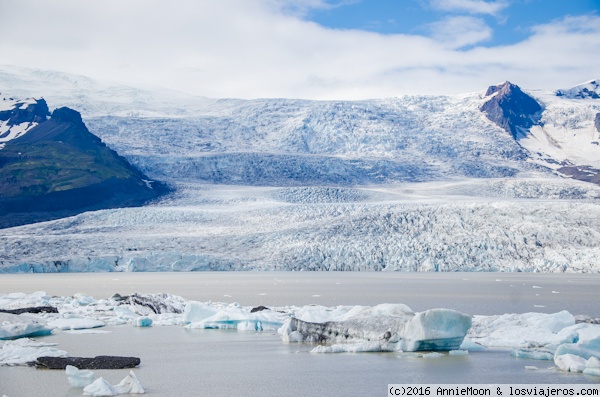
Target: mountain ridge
[58,168]
[413,183]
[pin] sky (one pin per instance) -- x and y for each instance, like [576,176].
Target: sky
[312,49]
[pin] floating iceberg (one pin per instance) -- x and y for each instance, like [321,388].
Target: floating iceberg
[75,322]
[525,330]
[197,311]
[101,387]
[383,328]
[13,326]
[142,322]
[234,316]
[79,378]
[583,355]
[17,300]
[24,350]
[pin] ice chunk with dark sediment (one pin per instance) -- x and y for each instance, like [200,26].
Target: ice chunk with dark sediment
[393,327]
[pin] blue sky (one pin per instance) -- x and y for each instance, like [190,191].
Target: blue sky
[313,49]
[511,23]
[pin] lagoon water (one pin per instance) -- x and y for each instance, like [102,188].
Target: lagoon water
[183,362]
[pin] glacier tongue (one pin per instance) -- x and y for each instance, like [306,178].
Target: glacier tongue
[544,225]
[385,328]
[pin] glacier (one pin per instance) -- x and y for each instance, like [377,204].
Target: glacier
[534,224]
[413,183]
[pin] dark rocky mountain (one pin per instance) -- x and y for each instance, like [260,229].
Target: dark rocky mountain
[511,108]
[22,112]
[597,122]
[58,168]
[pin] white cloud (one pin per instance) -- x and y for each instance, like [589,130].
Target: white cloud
[460,31]
[241,48]
[470,6]
[303,7]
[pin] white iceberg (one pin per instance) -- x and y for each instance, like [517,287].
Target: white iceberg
[25,350]
[523,330]
[75,322]
[592,366]
[17,300]
[570,362]
[235,316]
[197,311]
[13,326]
[101,387]
[583,355]
[388,327]
[79,378]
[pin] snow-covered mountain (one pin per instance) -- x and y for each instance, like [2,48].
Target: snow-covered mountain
[19,116]
[589,89]
[410,183]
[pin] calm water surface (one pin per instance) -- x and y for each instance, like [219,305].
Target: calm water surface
[181,362]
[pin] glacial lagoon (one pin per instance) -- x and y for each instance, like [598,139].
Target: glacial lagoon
[177,361]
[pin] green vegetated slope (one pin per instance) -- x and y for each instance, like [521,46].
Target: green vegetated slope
[59,168]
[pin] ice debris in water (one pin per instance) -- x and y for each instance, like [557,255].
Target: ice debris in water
[79,378]
[385,327]
[101,387]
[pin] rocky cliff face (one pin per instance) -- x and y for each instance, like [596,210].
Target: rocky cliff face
[58,168]
[597,122]
[34,111]
[511,108]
